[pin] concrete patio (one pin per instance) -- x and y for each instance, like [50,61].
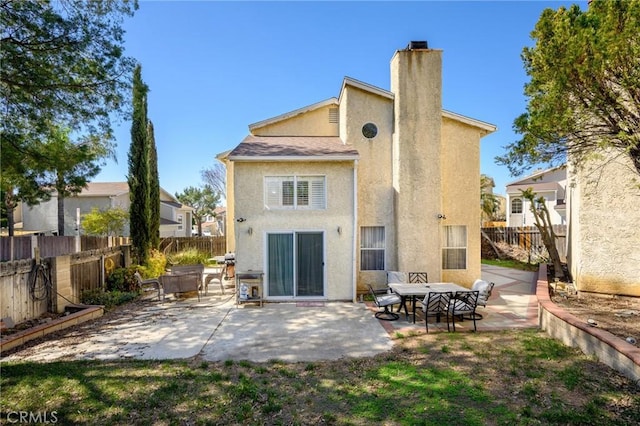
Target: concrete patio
[215,329]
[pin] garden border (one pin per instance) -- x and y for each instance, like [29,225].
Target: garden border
[572,331]
[84,314]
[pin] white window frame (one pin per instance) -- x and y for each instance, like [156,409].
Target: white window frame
[457,243]
[288,192]
[365,247]
[521,205]
[180,220]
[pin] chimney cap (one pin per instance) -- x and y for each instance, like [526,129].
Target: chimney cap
[417,45]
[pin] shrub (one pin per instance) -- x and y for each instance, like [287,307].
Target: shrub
[123,279]
[109,299]
[156,264]
[188,257]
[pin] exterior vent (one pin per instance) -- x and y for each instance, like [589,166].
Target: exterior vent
[333,115]
[417,45]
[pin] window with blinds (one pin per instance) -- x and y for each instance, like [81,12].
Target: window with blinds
[454,247]
[372,248]
[295,192]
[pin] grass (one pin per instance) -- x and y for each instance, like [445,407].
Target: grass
[511,263]
[501,378]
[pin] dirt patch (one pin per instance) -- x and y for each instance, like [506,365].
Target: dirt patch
[618,315]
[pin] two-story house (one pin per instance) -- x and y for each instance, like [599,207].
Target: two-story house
[327,198]
[551,184]
[175,218]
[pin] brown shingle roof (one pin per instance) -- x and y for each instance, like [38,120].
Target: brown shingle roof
[293,146]
[102,189]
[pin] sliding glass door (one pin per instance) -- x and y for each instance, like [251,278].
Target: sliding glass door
[295,264]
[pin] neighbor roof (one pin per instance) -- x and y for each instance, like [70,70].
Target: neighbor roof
[308,148]
[104,189]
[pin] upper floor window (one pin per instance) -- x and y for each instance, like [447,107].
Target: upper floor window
[295,192]
[516,205]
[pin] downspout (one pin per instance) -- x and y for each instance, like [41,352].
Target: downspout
[355,232]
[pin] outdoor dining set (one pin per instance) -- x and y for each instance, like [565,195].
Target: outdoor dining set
[181,279]
[448,300]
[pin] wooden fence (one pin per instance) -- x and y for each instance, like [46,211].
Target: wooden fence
[24,247]
[528,238]
[28,289]
[214,246]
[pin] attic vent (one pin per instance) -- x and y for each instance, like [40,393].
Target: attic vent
[333,115]
[417,45]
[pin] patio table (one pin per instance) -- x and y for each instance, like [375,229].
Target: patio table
[415,291]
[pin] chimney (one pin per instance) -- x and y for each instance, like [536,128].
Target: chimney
[414,45]
[416,82]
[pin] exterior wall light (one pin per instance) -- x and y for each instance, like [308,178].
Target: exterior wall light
[241,219]
[441,216]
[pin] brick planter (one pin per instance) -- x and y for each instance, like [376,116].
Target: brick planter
[572,331]
[83,313]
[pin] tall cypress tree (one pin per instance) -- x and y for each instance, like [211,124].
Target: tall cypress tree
[138,179]
[154,189]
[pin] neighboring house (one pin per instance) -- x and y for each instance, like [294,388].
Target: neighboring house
[550,184]
[327,198]
[214,225]
[175,218]
[604,225]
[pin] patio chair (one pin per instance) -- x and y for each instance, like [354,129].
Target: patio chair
[484,289]
[418,277]
[216,276]
[397,277]
[463,305]
[436,304]
[385,301]
[151,284]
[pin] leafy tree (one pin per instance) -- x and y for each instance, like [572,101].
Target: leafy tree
[542,219]
[62,62]
[489,203]
[70,166]
[138,178]
[584,92]
[105,222]
[154,190]
[203,201]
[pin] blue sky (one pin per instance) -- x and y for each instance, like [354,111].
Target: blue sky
[215,67]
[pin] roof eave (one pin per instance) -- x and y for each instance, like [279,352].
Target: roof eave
[487,127]
[290,114]
[366,87]
[294,158]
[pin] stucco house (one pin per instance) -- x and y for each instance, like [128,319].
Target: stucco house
[550,184]
[175,218]
[326,198]
[604,224]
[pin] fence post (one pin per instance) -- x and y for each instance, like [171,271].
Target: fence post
[61,288]
[126,255]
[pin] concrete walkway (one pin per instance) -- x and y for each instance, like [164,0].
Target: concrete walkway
[215,329]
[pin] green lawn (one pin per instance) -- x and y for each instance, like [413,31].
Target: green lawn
[511,263]
[501,378]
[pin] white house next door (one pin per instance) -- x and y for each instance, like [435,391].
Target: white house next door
[295,264]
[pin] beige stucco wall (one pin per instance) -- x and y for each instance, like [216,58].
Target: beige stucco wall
[375,194]
[249,204]
[461,193]
[604,226]
[311,123]
[416,81]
